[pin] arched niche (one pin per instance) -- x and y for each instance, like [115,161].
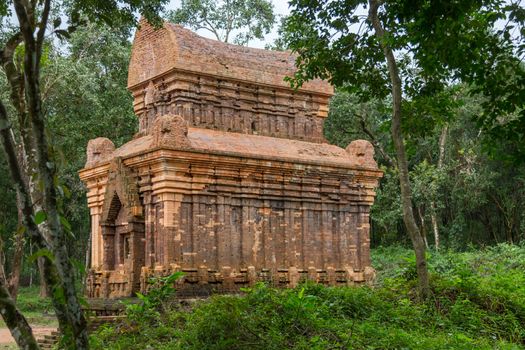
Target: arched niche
[122,221]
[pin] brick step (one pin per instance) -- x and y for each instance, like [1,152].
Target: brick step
[48,341]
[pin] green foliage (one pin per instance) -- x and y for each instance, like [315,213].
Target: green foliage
[83,87]
[97,59]
[434,43]
[246,19]
[115,13]
[159,294]
[478,303]
[347,116]
[37,310]
[477,199]
[29,301]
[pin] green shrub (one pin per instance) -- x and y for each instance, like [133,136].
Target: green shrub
[478,303]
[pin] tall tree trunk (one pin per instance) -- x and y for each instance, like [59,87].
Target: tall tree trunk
[13,281]
[423,227]
[33,34]
[434,221]
[33,231]
[21,158]
[44,288]
[87,264]
[15,321]
[433,209]
[397,137]
[14,278]
[31,269]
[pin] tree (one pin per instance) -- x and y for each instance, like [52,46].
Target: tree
[237,21]
[478,199]
[11,236]
[97,58]
[410,50]
[35,174]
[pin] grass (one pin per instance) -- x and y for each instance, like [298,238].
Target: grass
[38,311]
[478,302]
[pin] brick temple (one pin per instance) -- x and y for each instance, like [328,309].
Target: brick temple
[229,178]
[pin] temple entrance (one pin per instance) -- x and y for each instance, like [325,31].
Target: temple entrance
[123,237]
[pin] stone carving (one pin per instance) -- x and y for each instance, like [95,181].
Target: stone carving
[362,153]
[170,131]
[99,150]
[229,178]
[149,94]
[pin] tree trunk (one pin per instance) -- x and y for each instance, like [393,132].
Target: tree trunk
[397,137]
[15,321]
[87,264]
[434,220]
[13,281]
[433,209]
[44,288]
[37,235]
[33,33]
[31,268]
[423,227]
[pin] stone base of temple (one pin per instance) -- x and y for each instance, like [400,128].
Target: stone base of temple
[202,282]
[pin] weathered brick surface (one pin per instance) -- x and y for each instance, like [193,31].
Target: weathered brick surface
[229,178]
[221,86]
[156,52]
[99,150]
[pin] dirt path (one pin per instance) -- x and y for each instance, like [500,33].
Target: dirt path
[6,339]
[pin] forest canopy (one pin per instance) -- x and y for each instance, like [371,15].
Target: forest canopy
[438,87]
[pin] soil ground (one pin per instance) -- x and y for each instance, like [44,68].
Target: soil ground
[7,342]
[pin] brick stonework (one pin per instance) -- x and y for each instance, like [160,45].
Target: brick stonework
[229,178]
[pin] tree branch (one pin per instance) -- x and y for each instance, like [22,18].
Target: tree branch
[15,321]
[229,26]
[25,20]
[14,78]
[375,142]
[75,320]
[42,29]
[8,142]
[212,29]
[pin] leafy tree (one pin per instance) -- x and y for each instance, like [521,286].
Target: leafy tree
[95,57]
[478,200]
[34,175]
[410,50]
[238,21]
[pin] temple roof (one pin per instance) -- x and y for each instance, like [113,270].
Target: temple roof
[250,146]
[173,47]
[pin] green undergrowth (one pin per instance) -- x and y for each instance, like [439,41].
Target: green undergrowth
[478,302]
[37,310]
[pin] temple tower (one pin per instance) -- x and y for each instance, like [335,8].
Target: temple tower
[229,178]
